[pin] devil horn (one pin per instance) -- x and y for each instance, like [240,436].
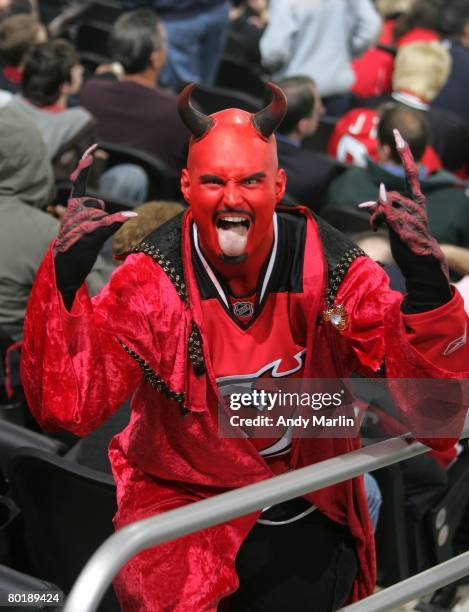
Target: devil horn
[197,122]
[269,118]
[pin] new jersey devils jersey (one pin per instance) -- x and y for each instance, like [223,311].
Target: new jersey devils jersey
[355,138]
[261,335]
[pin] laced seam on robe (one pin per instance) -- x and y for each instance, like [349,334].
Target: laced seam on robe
[155,380]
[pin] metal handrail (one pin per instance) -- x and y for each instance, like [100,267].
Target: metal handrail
[106,562]
[98,573]
[416,586]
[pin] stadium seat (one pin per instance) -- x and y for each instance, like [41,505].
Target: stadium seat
[235,74]
[12,581]
[68,155]
[14,438]
[235,44]
[67,513]
[48,9]
[105,11]
[91,42]
[163,182]
[407,545]
[347,218]
[13,407]
[213,99]
[12,550]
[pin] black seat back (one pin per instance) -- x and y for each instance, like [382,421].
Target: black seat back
[67,511]
[235,74]
[13,438]
[15,582]
[163,182]
[213,99]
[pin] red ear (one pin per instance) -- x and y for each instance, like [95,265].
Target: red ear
[186,185]
[280,184]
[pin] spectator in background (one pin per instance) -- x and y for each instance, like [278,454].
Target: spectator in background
[133,111]
[420,70]
[390,9]
[26,189]
[420,23]
[18,7]
[52,73]
[318,38]
[195,37]
[248,22]
[406,21]
[454,94]
[18,34]
[373,69]
[447,205]
[308,173]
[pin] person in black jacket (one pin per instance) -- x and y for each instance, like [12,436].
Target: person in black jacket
[308,173]
[453,96]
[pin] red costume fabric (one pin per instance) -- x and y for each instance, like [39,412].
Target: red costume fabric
[79,366]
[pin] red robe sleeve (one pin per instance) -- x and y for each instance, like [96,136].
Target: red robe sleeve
[75,372]
[429,345]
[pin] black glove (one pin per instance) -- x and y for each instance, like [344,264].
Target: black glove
[83,231]
[415,250]
[427,284]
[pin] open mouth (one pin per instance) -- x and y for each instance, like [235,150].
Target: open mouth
[227,223]
[232,231]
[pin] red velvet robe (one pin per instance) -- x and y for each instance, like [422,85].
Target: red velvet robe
[76,374]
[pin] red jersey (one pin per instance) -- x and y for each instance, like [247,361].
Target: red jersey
[261,335]
[373,69]
[355,138]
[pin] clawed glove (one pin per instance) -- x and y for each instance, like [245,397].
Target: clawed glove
[84,229]
[415,250]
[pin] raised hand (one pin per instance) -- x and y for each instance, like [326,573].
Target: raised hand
[415,250]
[406,216]
[84,229]
[86,215]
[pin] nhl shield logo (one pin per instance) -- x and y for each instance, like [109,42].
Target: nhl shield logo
[243,309]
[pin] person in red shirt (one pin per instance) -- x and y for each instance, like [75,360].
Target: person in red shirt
[237,288]
[420,71]
[405,21]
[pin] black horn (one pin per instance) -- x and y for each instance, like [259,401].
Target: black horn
[269,118]
[197,122]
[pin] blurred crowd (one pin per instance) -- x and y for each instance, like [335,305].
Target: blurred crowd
[75,73]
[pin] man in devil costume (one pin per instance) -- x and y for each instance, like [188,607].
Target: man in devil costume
[237,285]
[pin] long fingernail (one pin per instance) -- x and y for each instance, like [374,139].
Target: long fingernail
[89,151]
[129,213]
[383,194]
[366,204]
[400,142]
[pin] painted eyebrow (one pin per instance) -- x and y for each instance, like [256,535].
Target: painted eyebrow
[210,178]
[255,176]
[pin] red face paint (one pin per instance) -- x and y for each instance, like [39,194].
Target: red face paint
[232,184]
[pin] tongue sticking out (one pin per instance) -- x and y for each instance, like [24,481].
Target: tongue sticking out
[233,239]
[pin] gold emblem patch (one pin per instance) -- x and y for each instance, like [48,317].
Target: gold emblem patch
[337,317]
